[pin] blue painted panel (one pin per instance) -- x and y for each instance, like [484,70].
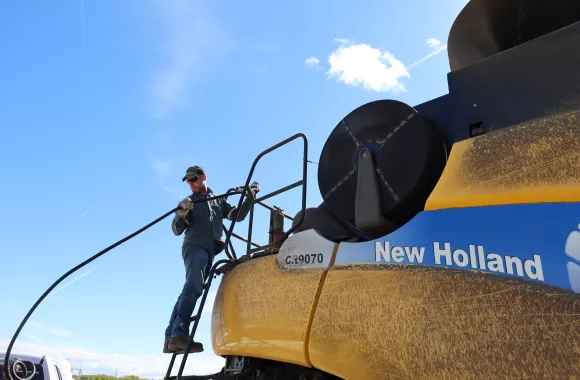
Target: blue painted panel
[537,242]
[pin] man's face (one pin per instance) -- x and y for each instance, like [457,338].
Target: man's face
[196,183]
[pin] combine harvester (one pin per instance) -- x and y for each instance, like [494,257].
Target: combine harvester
[448,241]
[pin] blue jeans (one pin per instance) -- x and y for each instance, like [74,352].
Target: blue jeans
[195,259]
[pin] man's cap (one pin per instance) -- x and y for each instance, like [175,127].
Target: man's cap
[193,171]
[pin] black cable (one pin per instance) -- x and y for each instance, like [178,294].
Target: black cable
[9,350]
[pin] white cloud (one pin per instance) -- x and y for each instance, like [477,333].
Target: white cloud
[86,212]
[159,166]
[36,324]
[438,50]
[191,37]
[150,366]
[367,66]
[312,62]
[39,327]
[36,339]
[11,305]
[75,279]
[166,173]
[342,41]
[433,42]
[376,70]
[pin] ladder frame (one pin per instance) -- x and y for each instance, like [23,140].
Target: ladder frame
[268,249]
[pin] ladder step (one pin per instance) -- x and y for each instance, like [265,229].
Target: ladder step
[183,352]
[193,319]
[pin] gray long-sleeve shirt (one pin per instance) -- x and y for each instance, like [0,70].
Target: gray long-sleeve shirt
[203,224]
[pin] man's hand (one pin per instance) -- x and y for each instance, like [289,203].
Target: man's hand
[255,187]
[184,207]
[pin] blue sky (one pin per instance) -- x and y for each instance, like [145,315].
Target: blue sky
[105,103]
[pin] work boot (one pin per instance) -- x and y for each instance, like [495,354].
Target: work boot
[166,349]
[179,343]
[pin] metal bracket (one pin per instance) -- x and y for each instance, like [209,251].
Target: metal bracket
[367,209]
[276,232]
[234,364]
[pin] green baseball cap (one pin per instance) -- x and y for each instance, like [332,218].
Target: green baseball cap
[193,171]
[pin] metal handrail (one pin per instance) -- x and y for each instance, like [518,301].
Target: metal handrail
[274,209]
[260,200]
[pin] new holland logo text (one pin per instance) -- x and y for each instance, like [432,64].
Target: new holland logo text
[475,257]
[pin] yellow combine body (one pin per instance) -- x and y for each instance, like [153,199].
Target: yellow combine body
[375,321]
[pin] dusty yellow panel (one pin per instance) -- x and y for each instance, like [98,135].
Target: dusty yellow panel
[529,163]
[424,323]
[262,310]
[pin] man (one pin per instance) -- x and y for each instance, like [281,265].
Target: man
[202,224]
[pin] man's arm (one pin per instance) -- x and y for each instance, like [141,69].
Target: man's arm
[179,221]
[231,212]
[178,225]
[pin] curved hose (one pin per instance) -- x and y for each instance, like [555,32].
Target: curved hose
[9,350]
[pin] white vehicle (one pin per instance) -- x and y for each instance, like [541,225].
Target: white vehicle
[30,367]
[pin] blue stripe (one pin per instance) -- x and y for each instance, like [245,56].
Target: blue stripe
[547,233]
